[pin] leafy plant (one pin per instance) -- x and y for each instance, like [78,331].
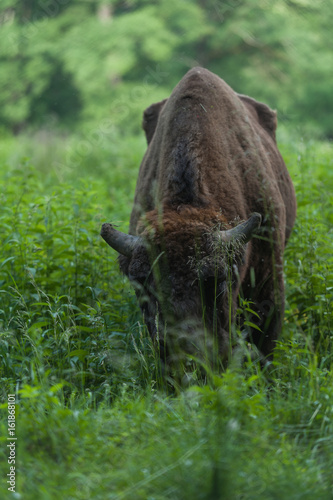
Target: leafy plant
[94,417]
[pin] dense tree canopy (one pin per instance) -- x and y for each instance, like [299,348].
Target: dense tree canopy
[74,63]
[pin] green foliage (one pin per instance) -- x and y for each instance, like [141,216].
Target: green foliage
[94,417]
[54,277]
[309,255]
[75,63]
[215,442]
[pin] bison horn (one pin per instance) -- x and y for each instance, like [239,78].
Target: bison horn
[243,231]
[121,242]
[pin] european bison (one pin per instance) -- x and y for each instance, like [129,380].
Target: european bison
[213,210]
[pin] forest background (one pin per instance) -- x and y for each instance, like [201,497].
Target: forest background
[72,64]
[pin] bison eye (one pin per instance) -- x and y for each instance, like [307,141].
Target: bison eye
[138,271]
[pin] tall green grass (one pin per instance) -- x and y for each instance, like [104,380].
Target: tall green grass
[94,418]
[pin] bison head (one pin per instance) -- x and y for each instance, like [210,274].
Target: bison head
[186,273]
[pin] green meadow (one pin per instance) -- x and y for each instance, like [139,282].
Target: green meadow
[94,418]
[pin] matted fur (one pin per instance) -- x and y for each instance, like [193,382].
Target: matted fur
[211,161]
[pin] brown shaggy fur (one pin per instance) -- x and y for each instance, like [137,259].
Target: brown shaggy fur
[211,161]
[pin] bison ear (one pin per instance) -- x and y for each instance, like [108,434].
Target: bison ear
[266,116]
[150,118]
